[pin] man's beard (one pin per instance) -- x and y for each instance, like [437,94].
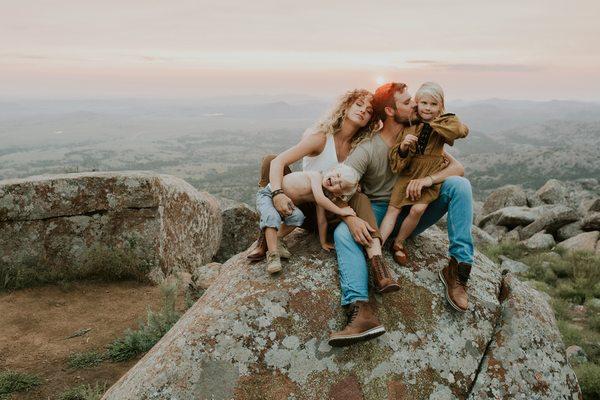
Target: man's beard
[410,120]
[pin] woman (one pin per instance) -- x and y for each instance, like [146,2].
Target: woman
[321,148]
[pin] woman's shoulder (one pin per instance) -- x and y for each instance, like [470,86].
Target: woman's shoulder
[314,141]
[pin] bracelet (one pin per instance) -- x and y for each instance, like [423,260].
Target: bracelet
[276,192]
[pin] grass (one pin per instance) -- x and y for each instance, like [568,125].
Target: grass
[12,381]
[571,279]
[136,342]
[86,359]
[84,392]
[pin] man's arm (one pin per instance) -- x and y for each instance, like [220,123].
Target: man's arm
[454,168]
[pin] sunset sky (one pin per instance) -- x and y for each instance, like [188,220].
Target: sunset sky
[146,48]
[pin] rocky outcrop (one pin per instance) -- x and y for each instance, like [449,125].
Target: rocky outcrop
[550,220]
[582,242]
[506,196]
[591,222]
[512,216]
[72,225]
[240,228]
[553,192]
[255,336]
[526,357]
[539,241]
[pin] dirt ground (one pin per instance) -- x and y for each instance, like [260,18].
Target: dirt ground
[35,322]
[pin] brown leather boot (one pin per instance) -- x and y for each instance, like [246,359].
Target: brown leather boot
[260,250]
[455,277]
[380,274]
[362,325]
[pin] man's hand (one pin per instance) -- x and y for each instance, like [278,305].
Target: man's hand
[408,142]
[413,190]
[327,246]
[283,204]
[360,230]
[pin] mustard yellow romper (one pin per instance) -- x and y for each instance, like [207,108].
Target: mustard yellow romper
[425,158]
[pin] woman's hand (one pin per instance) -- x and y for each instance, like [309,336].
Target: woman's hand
[347,212]
[327,246]
[283,204]
[408,142]
[413,190]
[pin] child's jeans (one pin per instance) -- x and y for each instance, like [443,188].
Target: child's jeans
[269,216]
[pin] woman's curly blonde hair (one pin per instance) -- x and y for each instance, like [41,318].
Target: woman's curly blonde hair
[332,122]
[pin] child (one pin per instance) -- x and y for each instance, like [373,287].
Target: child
[418,154]
[302,187]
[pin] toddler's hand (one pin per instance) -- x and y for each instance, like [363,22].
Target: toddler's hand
[347,212]
[408,142]
[327,246]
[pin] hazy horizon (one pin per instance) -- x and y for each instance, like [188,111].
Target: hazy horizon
[537,50]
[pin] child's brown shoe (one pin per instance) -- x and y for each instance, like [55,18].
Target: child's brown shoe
[273,262]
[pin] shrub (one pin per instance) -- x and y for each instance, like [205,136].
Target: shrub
[511,250]
[84,392]
[588,375]
[11,381]
[149,333]
[87,359]
[570,334]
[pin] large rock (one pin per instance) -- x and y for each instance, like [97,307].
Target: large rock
[553,192]
[129,223]
[539,241]
[591,222]
[481,237]
[550,220]
[526,357]
[590,205]
[497,232]
[509,195]
[253,336]
[582,242]
[568,231]
[516,267]
[512,216]
[240,228]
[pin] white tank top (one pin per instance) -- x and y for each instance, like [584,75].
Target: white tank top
[324,161]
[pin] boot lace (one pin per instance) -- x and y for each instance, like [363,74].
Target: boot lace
[351,314]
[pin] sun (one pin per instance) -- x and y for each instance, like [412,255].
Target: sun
[380,80]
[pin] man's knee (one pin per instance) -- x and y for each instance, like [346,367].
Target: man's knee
[342,233]
[458,186]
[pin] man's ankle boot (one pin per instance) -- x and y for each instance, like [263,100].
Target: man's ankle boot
[362,325]
[382,279]
[455,277]
[260,250]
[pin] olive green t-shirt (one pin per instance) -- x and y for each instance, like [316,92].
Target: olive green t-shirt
[370,160]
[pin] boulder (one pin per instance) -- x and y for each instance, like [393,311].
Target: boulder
[515,267]
[533,200]
[591,222]
[553,192]
[576,355]
[583,242]
[526,358]
[204,276]
[255,336]
[588,183]
[481,237]
[590,205]
[240,228]
[512,216]
[495,231]
[539,241]
[509,195]
[512,236]
[125,224]
[477,211]
[569,230]
[550,220]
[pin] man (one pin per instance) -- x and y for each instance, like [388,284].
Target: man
[392,104]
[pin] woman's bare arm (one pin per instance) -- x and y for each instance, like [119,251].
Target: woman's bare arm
[309,145]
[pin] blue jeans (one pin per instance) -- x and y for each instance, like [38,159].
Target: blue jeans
[455,198]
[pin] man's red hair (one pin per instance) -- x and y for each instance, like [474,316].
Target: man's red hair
[384,97]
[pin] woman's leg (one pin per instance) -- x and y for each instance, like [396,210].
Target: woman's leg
[271,236]
[285,230]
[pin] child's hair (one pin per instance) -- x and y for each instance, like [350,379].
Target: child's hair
[435,91]
[349,178]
